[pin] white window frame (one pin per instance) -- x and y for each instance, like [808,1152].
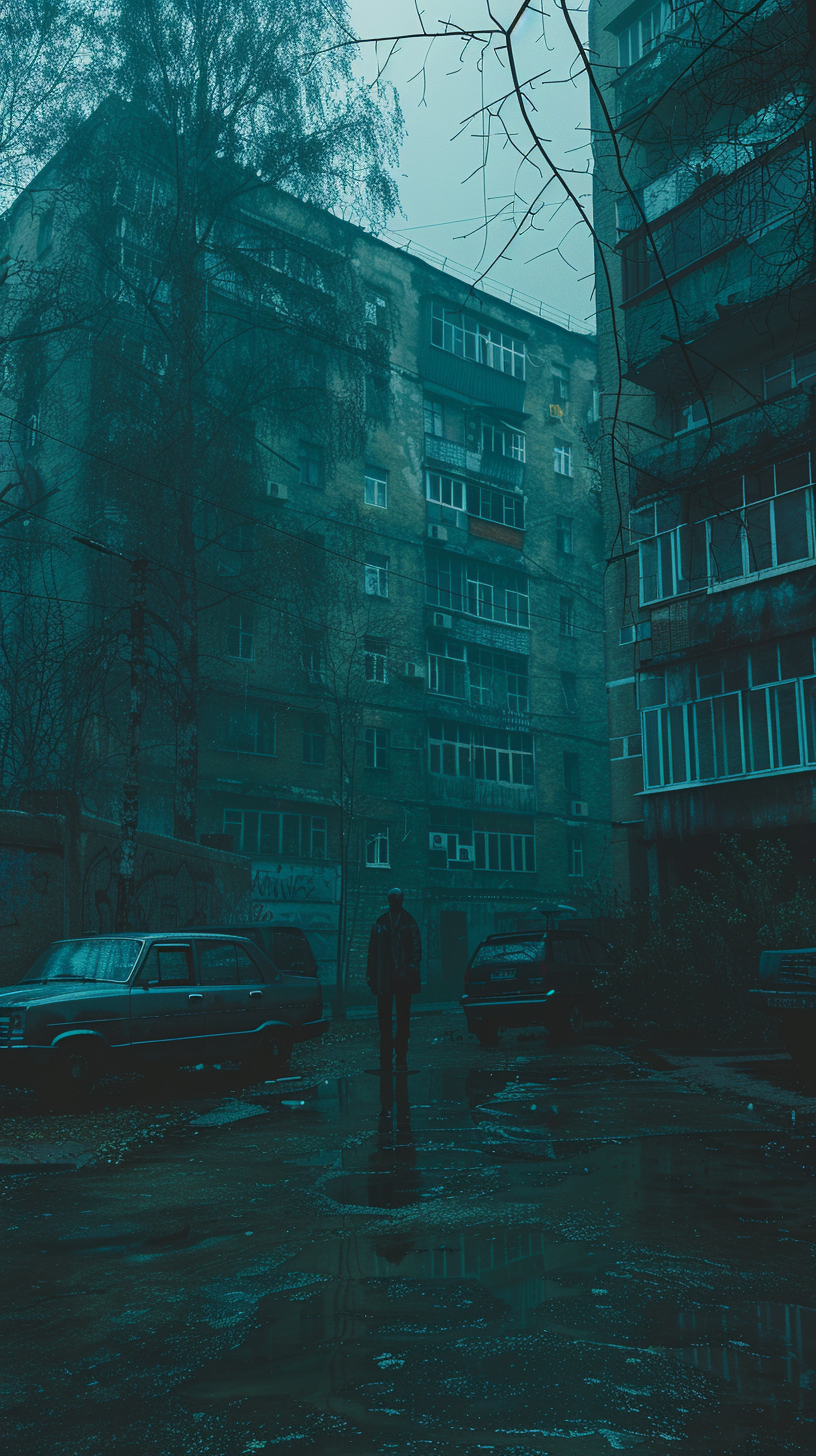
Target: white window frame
[375,488]
[576,857]
[376,746]
[254,709]
[377,845]
[467,337]
[241,637]
[799,367]
[445,490]
[375,662]
[500,439]
[376,574]
[562,458]
[560,383]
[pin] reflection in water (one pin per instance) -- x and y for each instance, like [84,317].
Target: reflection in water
[755,1347]
[391,1178]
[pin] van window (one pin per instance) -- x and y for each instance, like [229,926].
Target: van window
[292,952]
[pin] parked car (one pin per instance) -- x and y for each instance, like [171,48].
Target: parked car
[533,978]
[286,946]
[788,989]
[133,1001]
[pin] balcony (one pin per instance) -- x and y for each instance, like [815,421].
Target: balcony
[466,377]
[757,435]
[737,244]
[468,793]
[482,463]
[646,93]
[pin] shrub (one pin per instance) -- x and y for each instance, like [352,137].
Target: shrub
[686,963]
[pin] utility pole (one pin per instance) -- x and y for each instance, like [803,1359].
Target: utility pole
[130,785]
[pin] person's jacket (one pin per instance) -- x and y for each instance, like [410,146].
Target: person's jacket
[394,966]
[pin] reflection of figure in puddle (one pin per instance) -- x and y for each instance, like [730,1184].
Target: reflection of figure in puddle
[394,955]
[393,1180]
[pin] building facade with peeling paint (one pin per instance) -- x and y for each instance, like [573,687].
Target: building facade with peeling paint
[703,140]
[400,634]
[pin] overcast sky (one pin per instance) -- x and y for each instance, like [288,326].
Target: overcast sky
[443,186]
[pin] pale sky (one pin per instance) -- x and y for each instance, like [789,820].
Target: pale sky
[443,187]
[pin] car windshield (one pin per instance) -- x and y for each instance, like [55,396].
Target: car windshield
[86,960]
[510,950]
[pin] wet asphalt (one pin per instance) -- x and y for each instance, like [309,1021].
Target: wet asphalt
[576,1249]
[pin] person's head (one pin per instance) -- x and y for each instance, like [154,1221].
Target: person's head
[395,899]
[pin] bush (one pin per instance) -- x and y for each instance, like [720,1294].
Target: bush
[686,963]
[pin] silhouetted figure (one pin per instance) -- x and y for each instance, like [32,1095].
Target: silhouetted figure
[394,955]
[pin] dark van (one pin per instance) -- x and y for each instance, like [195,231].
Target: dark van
[286,946]
[533,978]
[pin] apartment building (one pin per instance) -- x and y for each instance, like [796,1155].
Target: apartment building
[400,575]
[703,143]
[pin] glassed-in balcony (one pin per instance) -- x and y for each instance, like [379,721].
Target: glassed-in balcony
[760,433]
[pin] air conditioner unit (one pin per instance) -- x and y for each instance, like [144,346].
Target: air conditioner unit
[579,808]
[556,412]
[438,533]
[438,842]
[414,670]
[442,619]
[276,490]
[465,854]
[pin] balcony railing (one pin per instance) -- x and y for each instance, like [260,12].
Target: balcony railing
[761,195]
[485,463]
[758,432]
[746,734]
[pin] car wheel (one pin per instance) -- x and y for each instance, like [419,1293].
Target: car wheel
[74,1074]
[270,1059]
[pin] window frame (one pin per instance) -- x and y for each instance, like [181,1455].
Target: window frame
[377,835]
[377,748]
[378,480]
[562,458]
[377,568]
[239,635]
[460,333]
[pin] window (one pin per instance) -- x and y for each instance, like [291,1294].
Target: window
[312,656]
[376,845]
[310,464]
[376,488]
[251,728]
[566,616]
[769,523]
[789,371]
[569,689]
[31,430]
[629,746]
[241,632]
[377,394]
[482,675]
[45,231]
[445,491]
[497,851]
[575,858]
[654,22]
[759,195]
[434,417]
[493,755]
[563,535]
[314,740]
[375,659]
[742,714]
[500,439]
[690,414]
[376,310]
[560,384]
[376,747]
[562,458]
[277,835]
[462,334]
[167,964]
[572,775]
[495,505]
[467,585]
[376,575]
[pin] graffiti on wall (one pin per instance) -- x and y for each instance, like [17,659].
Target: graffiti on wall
[300,894]
[166,896]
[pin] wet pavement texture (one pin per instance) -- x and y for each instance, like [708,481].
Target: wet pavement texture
[580,1249]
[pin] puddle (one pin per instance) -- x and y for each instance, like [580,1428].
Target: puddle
[228,1112]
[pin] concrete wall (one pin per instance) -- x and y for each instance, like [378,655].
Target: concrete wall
[58,878]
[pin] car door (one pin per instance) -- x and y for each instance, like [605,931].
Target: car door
[232,986]
[166,1006]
